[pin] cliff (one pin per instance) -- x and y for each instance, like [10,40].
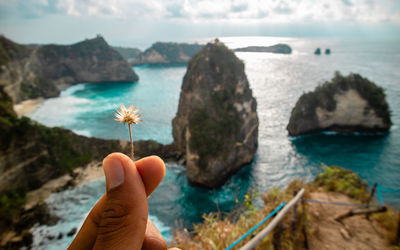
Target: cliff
[344,104]
[277,48]
[31,155]
[216,124]
[312,226]
[42,71]
[167,53]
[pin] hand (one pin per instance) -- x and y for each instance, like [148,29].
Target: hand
[119,218]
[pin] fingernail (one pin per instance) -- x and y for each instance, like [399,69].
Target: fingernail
[114,173]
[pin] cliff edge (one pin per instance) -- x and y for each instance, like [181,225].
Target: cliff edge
[32,71]
[345,104]
[216,124]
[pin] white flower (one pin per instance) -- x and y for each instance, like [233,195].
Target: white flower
[128,115]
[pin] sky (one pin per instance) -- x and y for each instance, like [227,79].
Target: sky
[138,23]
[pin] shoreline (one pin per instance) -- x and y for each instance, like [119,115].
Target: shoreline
[90,172]
[28,106]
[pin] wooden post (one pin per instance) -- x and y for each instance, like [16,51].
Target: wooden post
[398,231]
[261,235]
[277,238]
[358,211]
[370,198]
[304,229]
[293,222]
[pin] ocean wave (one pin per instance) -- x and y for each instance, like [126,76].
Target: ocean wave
[71,90]
[50,114]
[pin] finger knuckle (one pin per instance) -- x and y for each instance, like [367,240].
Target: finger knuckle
[114,218]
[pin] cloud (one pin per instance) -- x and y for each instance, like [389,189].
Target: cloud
[239,6]
[284,7]
[175,10]
[347,2]
[251,11]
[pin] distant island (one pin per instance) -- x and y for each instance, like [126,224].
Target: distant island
[129,54]
[277,48]
[345,104]
[44,70]
[167,53]
[327,51]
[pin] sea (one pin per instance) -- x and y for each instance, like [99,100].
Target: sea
[277,81]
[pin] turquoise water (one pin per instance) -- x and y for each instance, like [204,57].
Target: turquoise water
[277,82]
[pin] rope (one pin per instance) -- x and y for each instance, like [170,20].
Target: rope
[380,197]
[256,226]
[379,188]
[388,190]
[339,203]
[378,191]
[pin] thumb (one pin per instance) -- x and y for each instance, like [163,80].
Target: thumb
[124,218]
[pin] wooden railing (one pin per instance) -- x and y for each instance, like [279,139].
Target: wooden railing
[261,235]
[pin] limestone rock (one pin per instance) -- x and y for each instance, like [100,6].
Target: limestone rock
[167,53]
[32,71]
[345,104]
[216,124]
[277,48]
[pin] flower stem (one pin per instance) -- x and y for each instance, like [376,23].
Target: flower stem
[130,136]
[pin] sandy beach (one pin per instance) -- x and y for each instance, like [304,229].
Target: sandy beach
[91,171]
[27,106]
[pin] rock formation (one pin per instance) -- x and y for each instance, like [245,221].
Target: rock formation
[344,104]
[327,51]
[277,48]
[42,71]
[168,53]
[216,124]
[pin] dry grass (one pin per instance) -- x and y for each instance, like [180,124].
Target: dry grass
[217,232]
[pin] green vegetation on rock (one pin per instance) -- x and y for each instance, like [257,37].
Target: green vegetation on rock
[10,50]
[208,135]
[10,205]
[341,180]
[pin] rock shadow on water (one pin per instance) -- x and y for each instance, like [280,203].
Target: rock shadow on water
[354,151]
[160,65]
[177,203]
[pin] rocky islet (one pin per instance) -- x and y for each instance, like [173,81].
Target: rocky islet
[216,125]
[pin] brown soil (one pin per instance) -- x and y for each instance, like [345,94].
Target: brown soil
[355,232]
